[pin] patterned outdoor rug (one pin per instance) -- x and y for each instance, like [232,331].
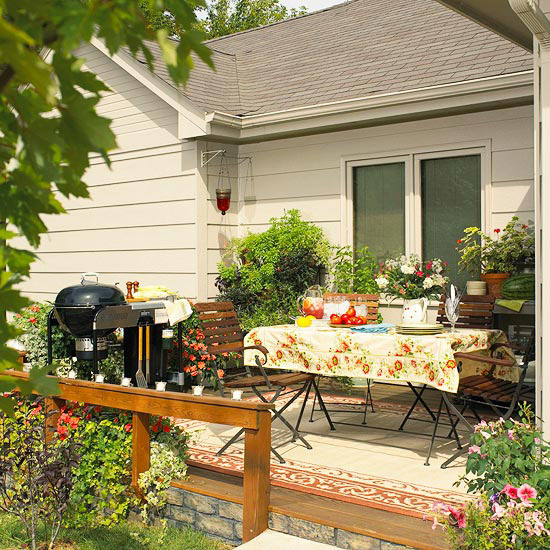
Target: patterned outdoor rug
[400,497]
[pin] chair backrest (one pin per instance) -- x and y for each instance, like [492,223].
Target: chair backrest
[220,325]
[370,300]
[475,312]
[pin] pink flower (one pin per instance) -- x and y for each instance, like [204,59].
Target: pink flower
[459,516]
[510,491]
[511,436]
[526,492]
[498,510]
[474,449]
[429,265]
[419,274]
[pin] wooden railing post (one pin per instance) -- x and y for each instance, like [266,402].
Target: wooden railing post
[140,446]
[52,410]
[256,482]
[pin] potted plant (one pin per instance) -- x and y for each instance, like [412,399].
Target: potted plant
[497,258]
[413,280]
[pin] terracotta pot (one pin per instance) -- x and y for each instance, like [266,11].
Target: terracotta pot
[494,283]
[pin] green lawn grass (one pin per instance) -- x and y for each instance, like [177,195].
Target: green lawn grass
[122,537]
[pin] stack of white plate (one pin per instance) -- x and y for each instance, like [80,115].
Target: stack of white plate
[419,329]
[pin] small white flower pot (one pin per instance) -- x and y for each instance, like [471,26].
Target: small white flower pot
[160,386]
[126,382]
[237,395]
[476,288]
[197,390]
[99,378]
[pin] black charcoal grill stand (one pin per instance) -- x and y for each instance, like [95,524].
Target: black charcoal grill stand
[128,317]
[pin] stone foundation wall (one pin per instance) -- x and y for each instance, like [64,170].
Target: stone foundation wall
[223,520]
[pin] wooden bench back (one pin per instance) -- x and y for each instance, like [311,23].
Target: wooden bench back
[475,312]
[220,325]
[370,300]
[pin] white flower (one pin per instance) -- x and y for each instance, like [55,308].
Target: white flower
[407,269]
[382,282]
[428,283]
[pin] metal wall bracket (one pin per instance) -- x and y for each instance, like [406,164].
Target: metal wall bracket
[207,156]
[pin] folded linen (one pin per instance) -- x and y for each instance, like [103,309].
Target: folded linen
[178,310]
[380,328]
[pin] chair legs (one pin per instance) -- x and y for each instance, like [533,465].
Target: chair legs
[317,396]
[278,414]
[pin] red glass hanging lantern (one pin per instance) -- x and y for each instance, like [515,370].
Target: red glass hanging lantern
[223,200]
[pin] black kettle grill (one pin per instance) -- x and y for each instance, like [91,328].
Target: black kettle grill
[75,309]
[91,310]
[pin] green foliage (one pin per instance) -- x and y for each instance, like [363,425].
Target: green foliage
[509,467]
[48,118]
[36,478]
[124,536]
[506,253]
[515,525]
[102,494]
[508,452]
[263,274]
[353,273]
[225,17]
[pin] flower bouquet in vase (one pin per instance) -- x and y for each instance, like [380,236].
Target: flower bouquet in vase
[413,280]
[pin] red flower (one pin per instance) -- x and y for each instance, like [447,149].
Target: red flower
[524,226]
[431,376]
[458,241]
[115,420]
[33,320]
[128,428]
[97,409]
[419,274]
[497,231]
[334,360]
[429,265]
[166,429]
[155,428]
[398,365]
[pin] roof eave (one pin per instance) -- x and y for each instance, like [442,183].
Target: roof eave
[472,95]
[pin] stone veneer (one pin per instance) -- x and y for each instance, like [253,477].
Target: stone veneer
[223,520]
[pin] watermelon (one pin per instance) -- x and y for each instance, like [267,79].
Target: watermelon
[519,287]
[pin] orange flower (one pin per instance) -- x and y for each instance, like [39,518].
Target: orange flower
[279,354]
[334,360]
[221,373]
[398,365]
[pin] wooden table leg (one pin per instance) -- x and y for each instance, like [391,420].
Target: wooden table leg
[256,482]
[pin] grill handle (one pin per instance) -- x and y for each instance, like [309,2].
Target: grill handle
[84,281]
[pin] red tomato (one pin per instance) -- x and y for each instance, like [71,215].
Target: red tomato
[344,318]
[351,312]
[357,321]
[363,319]
[335,319]
[351,321]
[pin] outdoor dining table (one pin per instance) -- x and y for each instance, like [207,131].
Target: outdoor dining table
[388,356]
[426,360]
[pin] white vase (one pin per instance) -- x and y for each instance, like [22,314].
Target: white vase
[414,311]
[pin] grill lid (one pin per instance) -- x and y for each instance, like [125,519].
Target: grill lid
[90,293]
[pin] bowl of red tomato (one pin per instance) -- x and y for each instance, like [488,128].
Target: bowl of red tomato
[347,320]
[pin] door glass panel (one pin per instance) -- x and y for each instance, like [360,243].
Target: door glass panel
[451,201]
[379,209]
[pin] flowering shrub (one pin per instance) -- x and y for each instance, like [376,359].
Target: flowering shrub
[480,253]
[197,362]
[508,452]
[36,478]
[409,277]
[102,494]
[508,464]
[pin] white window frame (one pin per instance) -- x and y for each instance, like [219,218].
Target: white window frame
[413,208]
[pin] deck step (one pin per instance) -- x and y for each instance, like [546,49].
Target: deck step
[273,540]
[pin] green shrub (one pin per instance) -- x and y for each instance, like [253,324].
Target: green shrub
[353,272]
[263,274]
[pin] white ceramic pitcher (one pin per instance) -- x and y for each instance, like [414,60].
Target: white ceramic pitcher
[414,311]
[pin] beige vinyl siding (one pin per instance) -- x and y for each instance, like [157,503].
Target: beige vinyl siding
[140,220]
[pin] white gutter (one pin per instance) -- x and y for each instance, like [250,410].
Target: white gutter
[534,19]
[476,86]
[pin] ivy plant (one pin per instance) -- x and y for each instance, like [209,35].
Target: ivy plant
[49,122]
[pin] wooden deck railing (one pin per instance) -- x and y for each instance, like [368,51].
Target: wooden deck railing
[255,418]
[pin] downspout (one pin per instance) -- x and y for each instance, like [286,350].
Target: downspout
[537,22]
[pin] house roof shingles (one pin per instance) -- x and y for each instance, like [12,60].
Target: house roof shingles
[352,50]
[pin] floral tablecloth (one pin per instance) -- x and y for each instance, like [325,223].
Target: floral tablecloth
[341,352]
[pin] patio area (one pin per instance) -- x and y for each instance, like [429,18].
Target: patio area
[373,465]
